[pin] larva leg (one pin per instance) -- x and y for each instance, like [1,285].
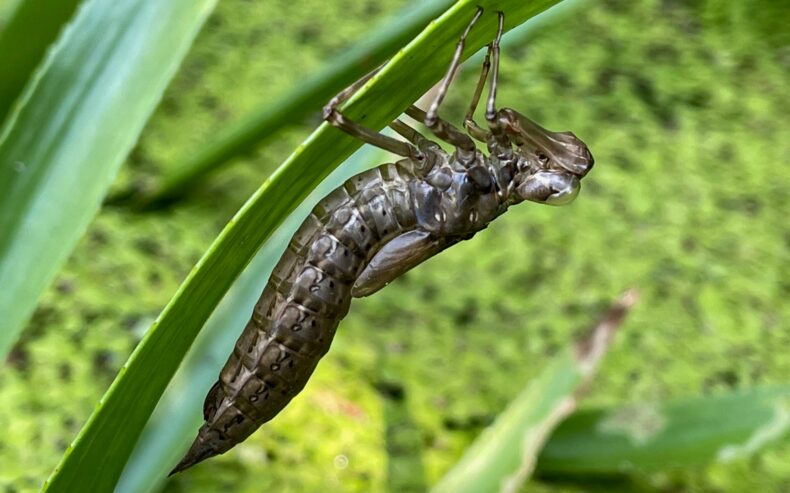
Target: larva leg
[469,123]
[337,119]
[439,127]
[411,134]
[428,148]
[494,123]
[444,130]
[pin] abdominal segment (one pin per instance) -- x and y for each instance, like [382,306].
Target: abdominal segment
[295,319]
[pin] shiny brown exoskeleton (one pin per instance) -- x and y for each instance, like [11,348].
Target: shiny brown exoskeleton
[375,227]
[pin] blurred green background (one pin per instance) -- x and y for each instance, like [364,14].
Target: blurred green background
[685,106]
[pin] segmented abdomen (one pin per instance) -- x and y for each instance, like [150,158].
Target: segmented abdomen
[307,295]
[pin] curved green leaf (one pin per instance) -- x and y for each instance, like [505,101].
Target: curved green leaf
[76,122]
[651,437]
[96,458]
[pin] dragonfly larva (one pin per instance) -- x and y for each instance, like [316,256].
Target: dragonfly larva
[375,227]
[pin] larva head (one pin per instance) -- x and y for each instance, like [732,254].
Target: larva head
[550,164]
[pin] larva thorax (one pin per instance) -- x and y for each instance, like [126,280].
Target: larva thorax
[455,199]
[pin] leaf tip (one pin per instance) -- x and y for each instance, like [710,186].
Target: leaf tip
[592,348]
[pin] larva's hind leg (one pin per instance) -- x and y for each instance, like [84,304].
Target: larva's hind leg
[444,130]
[429,148]
[335,118]
[412,135]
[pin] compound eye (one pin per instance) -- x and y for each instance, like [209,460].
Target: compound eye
[566,194]
[547,187]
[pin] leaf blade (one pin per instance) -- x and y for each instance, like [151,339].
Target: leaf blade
[23,41]
[651,437]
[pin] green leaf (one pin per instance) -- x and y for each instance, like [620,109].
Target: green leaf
[96,458]
[504,455]
[23,40]
[77,121]
[650,437]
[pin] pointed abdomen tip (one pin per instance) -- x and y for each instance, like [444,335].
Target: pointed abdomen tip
[198,452]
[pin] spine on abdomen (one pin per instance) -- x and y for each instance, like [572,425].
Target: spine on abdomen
[307,295]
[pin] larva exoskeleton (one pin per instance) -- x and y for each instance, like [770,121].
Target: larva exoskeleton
[375,227]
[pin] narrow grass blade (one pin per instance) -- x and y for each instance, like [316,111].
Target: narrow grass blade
[308,96]
[104,444]
[23,41]
[78,119]
[171,428]
[650,437]
[504,456]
